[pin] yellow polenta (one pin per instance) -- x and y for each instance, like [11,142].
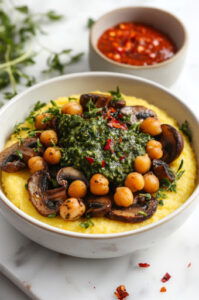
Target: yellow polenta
[14,186]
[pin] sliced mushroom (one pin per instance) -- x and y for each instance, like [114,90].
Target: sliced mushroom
[137,113]
[172,143]
[46,201]
[99,100]
[98,206]
[162,170]
[10,160]
[68,174]
[135,213]
[117,103]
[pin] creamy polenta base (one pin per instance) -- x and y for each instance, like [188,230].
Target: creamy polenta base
[14,186]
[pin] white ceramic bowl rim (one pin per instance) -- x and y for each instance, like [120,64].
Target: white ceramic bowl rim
[158,65]
[50,228]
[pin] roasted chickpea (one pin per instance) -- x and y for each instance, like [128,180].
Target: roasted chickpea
[123,196]
[72,108]
[43,121]
[134,181]
[151,126]
[72,209]
[154,149]
[48,138]
[52,155]
[77,189]
[36,163]
[151,183]
[142,163]
[99,184]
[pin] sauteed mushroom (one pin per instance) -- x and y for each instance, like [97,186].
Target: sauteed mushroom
[98,206]
[137,113]
[10,160]
[46,201]
[135,213]
[162,170]
[172,143]
[67,174]
[117,103]
[99,100]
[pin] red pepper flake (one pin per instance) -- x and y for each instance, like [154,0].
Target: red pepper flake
[108,145]
[90,159]
[103,163]
[122,157]
[144,265]
[121,292]
[163,289]
[116,124]
[166,277]
[189,265]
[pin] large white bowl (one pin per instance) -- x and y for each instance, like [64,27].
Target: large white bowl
[96,245]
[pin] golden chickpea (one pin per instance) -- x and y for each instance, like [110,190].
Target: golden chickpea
[151,126]
[151,183]
[72,108]
[72,209]
[142,163]
[77,189]
[43,121]
[36,163]
[48,138]
[99,184]
[52,155]
[154,149]
[134,181]
[123,196]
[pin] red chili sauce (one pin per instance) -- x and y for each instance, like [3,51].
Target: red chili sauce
[136,44]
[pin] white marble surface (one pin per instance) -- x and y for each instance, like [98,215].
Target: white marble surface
[43,274]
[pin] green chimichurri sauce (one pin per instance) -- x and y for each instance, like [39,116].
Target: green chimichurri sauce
[89,144]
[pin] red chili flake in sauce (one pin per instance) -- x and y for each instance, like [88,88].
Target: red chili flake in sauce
[166,277]
[144,265]
[121,292]
[116,124]
[136,44]
[163,289]
[89,159]
[108,145]
[103,163]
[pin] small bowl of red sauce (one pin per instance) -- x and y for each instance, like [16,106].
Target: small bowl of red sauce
[142,41]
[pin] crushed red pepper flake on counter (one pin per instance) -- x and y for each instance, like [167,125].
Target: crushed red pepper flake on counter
[166,277]
[121,292]
[136,44]
[144,265]
[189,265]
[163,289]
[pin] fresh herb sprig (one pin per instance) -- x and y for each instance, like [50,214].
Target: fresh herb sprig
[116,94]
[185,128]
[167,185]
[90,23]
[87,223]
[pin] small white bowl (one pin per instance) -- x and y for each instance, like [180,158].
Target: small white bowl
[95,245]
[166,72]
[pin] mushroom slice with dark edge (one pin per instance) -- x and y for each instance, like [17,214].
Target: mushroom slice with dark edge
[99,100]
[172,143]
[137,113]
[15,157]
[45,201]
[135,213]
[98,206]
[162,170]
[68,174]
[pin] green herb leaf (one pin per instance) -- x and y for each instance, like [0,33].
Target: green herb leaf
[53,16]
[19,154]
[26,186]
[90,22]
[143,213]
[147,196]
[52,215]
[185,128]
[86,224]
[116,94]
[161,202]
[22,9]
